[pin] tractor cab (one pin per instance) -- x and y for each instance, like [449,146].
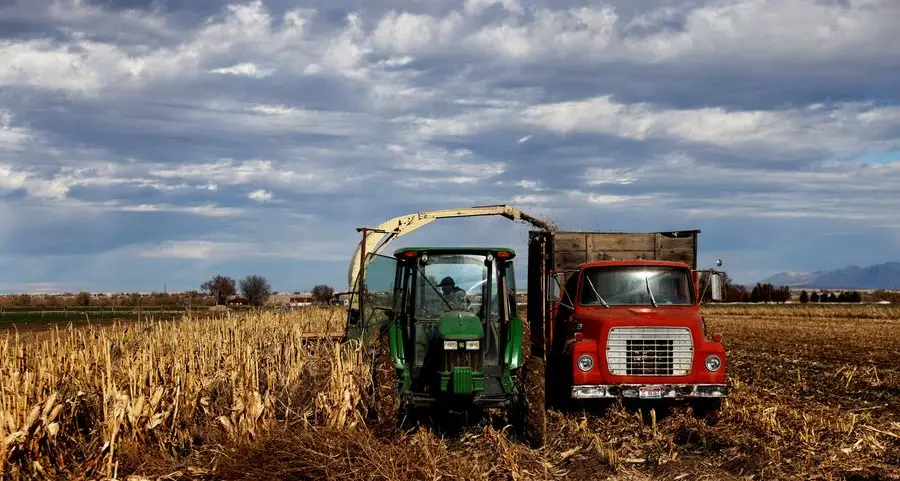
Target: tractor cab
[449,316]
[456,306]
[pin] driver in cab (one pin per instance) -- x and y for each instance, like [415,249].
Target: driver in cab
[454,295]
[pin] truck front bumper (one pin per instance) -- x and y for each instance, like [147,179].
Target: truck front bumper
[650,391]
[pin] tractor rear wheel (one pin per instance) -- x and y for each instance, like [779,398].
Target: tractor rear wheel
[530,413]
[385,405]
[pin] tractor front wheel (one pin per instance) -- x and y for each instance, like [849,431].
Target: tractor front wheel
[530,413]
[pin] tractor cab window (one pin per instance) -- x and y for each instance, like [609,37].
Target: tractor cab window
[380,279]
[448,282]
[451,282]
[636,285]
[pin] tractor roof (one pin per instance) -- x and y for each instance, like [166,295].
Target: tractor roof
[454,250]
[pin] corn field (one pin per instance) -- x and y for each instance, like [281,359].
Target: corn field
[815,395]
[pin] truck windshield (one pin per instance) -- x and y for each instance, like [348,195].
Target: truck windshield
[637,286]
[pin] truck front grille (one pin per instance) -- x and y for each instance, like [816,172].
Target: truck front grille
[649,351]
[462,358]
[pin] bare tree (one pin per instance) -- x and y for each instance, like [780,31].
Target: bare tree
[256,289]
[219,287]
[83,298]
[322,293]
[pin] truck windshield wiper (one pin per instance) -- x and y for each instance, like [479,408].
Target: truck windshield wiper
[647,282]
[595,291]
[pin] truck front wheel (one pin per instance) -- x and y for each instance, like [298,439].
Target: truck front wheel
[707,409]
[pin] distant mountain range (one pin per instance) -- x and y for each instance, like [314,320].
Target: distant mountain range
[879,276]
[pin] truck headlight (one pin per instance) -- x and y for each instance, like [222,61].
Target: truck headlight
[450,345]
[585,362]
[472,345]
[713,363]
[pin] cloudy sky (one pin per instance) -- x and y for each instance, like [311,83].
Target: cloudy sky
[157,143]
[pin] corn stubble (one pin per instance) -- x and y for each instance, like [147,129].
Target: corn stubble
[815,395]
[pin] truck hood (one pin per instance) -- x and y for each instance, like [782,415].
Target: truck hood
[686,316]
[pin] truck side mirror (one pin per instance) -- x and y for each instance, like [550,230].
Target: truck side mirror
[353,316]
[717,286]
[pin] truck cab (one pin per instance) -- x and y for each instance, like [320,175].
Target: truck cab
[622,319]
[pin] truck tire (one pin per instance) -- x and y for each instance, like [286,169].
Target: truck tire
[385,405]
[530,412]
[707,409]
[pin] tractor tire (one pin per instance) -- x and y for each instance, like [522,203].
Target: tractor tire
[385,402]
[530,412]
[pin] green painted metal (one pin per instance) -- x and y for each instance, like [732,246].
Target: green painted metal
[448,380]
[513,353]
[462,380]
[395,341]
[454,250]
[477,381]
[460,326]
[506,381]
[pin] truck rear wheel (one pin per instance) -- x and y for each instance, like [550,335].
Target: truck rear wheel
[385,403]
[530,413]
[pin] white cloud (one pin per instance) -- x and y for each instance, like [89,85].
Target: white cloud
[12,138]
[457,166]
[193,249]
[259,171]
[205,210]
[90,67]
[601,199]
[36,287]
[12,178]
[532,199]
[769,29]
[582,32]
[407,33]
[222,251]
[260,195]
[247,69]
[785,130]
[529,184]
[600,176]
[475,7]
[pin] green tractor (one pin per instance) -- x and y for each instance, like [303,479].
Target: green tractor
[446,335]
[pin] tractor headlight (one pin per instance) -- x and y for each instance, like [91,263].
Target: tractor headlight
[450,345]
[472,345]
[585,363]
[713,363]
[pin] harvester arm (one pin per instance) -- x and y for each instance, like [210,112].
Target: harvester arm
[377,239]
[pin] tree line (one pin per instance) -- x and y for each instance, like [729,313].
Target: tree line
[767,292]
[255,289]
[844,296]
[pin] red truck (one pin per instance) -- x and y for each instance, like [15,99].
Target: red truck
[617,316]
